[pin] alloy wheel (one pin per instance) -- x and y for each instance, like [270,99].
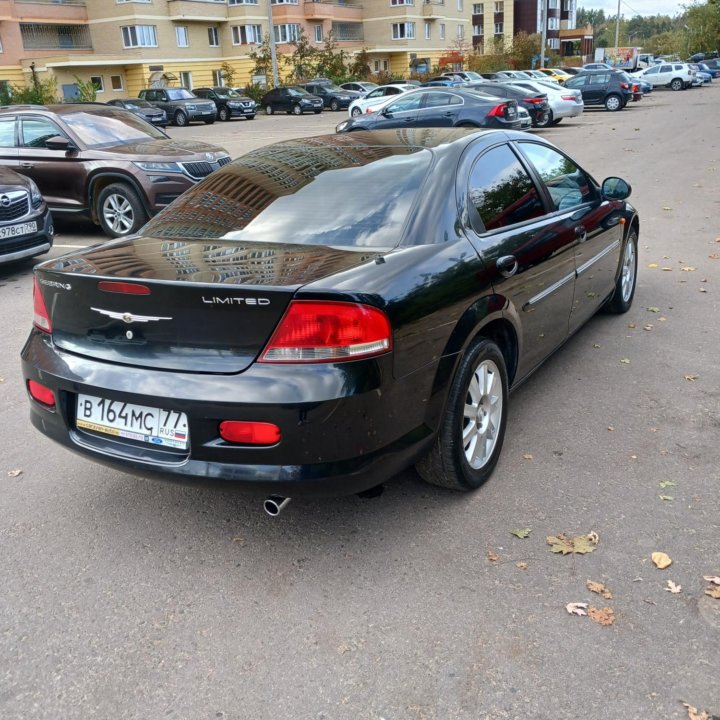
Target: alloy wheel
[482,414]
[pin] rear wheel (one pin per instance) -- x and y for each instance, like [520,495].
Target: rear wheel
[471,433]
[547,122]
[223,114]
[334,106]
[269,110]
[119,210]
[677,84]
[180,118]
[613,103]
[625,286]
[297,110]
[355,112]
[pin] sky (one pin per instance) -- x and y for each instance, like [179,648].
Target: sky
[634,7]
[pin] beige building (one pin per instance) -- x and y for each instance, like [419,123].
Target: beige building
[125,45]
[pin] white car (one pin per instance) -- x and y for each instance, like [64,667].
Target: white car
[676,76]
[376,98]
[361,87]
[564,102]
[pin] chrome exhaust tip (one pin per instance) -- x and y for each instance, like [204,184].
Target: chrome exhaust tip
[275,504]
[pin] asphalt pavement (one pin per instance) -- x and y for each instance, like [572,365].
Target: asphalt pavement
[126,598]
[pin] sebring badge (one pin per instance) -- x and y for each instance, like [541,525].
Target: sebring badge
[128,318]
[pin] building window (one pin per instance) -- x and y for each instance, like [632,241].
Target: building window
[402,2]
[553,4]
[116,82]
[460,32]
[127,1]
[403,31]
[246,34]
[427,30]
[41,36]
[242,2]
[287,33]
[283,2]
[377,66]
[553,23]
[139,36]
[213,37]
[477,30]
[218,78]
[498,28]
[460,5]
[554,43]
[499,7]
[182,37]
[442,31]
[186,80]
[97,81]
[478,9]
[318,32]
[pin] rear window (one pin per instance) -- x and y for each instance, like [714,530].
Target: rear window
[342,194]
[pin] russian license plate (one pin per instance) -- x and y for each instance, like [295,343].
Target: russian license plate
[167,428]
[15,230]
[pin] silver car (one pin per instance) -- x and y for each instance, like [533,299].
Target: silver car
[564,102]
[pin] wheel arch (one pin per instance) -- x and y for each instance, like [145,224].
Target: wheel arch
[100,180]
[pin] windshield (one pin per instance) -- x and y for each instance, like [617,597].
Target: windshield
[296,91]
[227,93]
[108,127]
[179,94]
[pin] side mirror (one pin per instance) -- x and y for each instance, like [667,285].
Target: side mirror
[615,188]
[386,113]
[59,142]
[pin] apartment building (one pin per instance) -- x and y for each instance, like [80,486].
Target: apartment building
[125,45]
[558,15]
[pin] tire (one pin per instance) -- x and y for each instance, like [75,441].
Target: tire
[180,118]
[334,106]
[355,112]
[548,120]
[677,84]
[467,447]
[269,110]
[613,103]
[223,114]
[119,210]
[317,112]
[297,110]
[209,122]
[557,121]
[250,117]
[624,293]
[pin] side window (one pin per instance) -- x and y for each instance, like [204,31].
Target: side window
[433,100]
[501,190]
[35,131]
[162,95]
[577,82]
[7,132]
[150,95]
[603,79]
[666,68]
[566,182]
[404,104]
[653,70]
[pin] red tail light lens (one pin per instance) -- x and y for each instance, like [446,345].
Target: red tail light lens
[250,433]
[315,331]
[572,98]
[123,287]
[41,317]
[624,86]
[534,100]
[499,110]
[44,395]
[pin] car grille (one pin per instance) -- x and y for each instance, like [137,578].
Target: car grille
[14,205]
[198,170]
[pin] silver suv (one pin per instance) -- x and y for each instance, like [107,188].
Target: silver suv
[181,105]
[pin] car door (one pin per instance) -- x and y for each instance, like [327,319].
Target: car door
[532,267]
[596,88]
[665,74]
[591,223]
[438,109]
[402,112]
[652,75]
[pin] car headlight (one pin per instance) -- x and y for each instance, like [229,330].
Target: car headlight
[233,104]
[35,195]
[171,167]
[192,106]
[341,127]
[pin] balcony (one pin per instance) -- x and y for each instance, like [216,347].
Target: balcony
[45,10]
[348,32]
[198,10]
[433,10]
[326,10]
[38,36]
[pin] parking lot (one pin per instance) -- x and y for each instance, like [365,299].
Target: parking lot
[129,598]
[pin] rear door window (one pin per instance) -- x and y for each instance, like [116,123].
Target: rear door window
[7,132]
[35,132]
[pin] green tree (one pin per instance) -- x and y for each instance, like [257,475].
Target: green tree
[331,62]
[302,61]
[87,90]
[42,92]
[523,48]
[262,59]
[359,68]
[228,73]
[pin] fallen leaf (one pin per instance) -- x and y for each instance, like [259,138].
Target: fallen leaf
[714,579]
[652,265]
[580,545]
[713,592]
[593,537]
[695,714]
[673,588]
[692,378]
[604,616]
[666,269]
[521,565]
[14,473]
[625,361]
[632,325]
[653,309]
[662,319]
[647,327]
[521,533]
[665,207]
[2,379]
[703,290]
[577,608]
[610,428]
[687,268]
[527,456]
[595,345]
[669,498]
[714,256]
[598,588]
[667,483]
[492,556]
[661,560]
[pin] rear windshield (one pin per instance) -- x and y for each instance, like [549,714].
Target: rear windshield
[303,193]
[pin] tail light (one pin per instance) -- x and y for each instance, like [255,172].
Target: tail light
[624,86]
[534,100]
[40,393]
[572,98]
[500,110]
[41,317]
[316,331]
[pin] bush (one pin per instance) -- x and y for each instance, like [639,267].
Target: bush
[42,92]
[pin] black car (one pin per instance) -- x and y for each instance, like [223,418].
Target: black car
[229,102]
[280,330]
[293,99]
[438,107]
[333,97]
[535,103]
[611,88]
[26,227]
[154,115]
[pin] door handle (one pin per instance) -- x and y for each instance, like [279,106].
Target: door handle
[581,233]
[26,165]
[507,265]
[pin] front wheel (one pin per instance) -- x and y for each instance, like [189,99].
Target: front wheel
[119,210]
[334,106]
[355,112]
[471,433]
[625,286]
[268,109]
[297,110]
[180,118]
[677,84]
[223,114]
[613,103]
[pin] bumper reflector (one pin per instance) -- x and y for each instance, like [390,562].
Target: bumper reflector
[40,393]
[250,433]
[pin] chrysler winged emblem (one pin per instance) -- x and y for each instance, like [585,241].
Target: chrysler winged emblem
[129,318]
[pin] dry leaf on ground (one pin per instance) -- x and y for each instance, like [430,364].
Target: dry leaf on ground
[625,361]
[14,473]
[691,378]
[521,533]
[661,560]
[652,265]
[695,714]
[527,456]
[579,545]
[673,588]
[668,498]
[687,268]
[521,565]
[714,579]
[653,309]
[713,592]
[598,588]
[602,616]
[667,483]
[492,556]
[577,608]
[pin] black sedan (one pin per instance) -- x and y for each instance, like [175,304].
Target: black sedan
[293,99]
[535,103]
[275,328]
[333,97]
[154,115]
[438,107]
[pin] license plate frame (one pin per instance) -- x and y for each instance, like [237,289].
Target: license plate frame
[26,228]
[150,425]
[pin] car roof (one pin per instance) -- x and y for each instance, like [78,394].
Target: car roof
[56,109]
